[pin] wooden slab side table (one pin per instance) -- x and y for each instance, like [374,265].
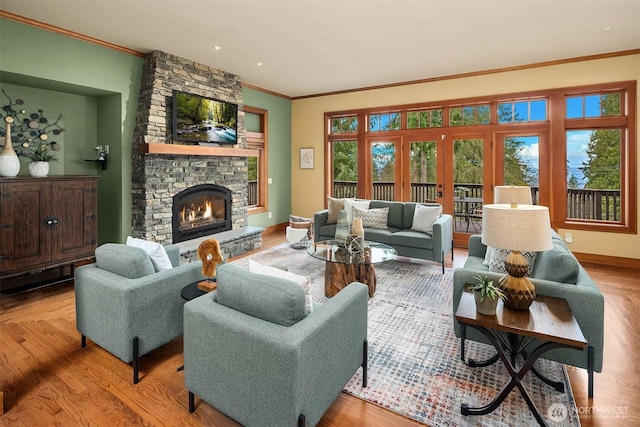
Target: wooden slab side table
[342,267]
[548,319]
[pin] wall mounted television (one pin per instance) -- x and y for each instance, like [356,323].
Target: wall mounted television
[206,121]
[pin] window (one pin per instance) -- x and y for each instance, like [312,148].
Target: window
[384,121]
[522,111]
[600,155]
[256,125]
[469,115]
[342,125]
[599,105]
[593,174]
[423,158]
[521,162]
[345,168]
[424,119]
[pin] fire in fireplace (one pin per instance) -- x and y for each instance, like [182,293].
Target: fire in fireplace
[201,210]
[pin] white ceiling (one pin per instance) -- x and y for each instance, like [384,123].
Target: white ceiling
[318,46]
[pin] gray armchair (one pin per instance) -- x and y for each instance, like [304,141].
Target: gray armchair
[125,306]
[251,351]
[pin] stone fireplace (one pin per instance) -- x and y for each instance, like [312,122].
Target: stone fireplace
[163,172]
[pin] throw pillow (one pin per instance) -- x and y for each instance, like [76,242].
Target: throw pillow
[303,281]
[558,264]
[334,206]
[156,252]
[424,217]
[496,264]
[372,218]
[350,203]
[487,256]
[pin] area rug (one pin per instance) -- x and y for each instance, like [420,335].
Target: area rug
[414,355]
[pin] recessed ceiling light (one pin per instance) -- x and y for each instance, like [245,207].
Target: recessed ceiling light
[259,64]
[607,28]
[216,47]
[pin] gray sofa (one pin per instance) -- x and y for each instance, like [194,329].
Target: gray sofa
[406,242]
[125,306]
[252,351]
[556,273]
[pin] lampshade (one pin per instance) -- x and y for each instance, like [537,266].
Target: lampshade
[512,193]
[520,228]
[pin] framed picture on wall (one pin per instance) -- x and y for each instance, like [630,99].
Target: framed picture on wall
[306,158]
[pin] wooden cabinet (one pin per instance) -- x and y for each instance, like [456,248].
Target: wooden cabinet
[46,223]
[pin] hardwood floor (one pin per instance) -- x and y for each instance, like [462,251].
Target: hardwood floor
[47,379]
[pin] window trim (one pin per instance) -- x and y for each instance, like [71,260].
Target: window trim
[259,141]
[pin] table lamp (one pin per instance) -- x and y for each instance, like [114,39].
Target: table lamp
[519,194]
[517,228]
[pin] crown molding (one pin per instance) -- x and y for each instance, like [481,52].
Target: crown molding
[52,28]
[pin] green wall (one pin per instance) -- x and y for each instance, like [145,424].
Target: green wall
[279,155]
[96,90]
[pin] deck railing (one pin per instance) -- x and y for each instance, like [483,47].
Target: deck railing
[252,193]
[599,205]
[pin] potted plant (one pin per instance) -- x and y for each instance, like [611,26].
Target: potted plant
[462,191]
[486,295]
[40,158]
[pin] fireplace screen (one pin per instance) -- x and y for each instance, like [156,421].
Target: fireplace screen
[201,210]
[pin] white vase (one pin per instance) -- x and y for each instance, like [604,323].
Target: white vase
[9,161]
[486,306]
[38,168]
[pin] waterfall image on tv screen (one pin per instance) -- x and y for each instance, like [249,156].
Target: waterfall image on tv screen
[204,120]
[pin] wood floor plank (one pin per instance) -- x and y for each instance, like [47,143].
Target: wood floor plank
[48,379]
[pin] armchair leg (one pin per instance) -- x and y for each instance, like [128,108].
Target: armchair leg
[365,362]
[590,356]
[136,362]
[442,262]
[83,341]
[301,421]
[451,250]
[192,403]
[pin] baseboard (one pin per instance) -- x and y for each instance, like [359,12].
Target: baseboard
[610,261]
[282,227]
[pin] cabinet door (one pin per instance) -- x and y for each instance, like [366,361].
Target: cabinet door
[25,242]
[73,206]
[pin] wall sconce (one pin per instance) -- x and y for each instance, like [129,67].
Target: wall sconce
[103,156]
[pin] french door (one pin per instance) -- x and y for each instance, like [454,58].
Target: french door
[467,176]
[383,171]
[452,169]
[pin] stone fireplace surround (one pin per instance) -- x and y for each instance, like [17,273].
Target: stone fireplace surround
[158,175]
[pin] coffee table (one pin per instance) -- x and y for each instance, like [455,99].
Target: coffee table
[342,268]
[548,319]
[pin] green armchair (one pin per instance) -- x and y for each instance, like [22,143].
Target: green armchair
[125,306]
[251,351]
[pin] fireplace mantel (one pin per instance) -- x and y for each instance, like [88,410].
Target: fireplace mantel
[195,150]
